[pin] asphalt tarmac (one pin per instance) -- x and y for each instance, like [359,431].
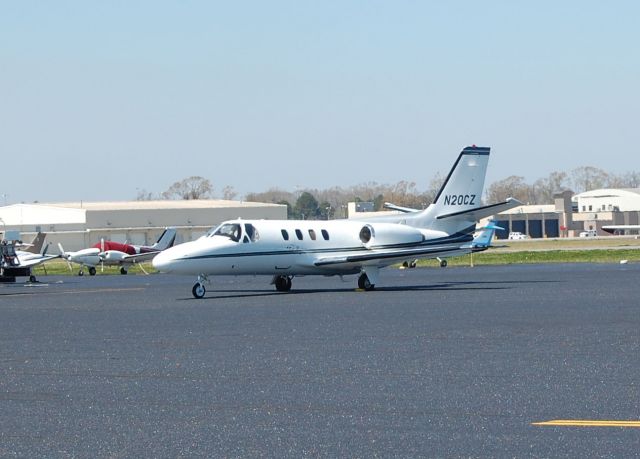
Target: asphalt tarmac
[455,362]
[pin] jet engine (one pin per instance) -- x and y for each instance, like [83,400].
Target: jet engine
[389,234]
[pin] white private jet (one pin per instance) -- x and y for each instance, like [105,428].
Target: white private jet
[117,254]
[289,248]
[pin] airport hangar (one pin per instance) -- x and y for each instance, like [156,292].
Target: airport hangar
[572,214]
[83,224]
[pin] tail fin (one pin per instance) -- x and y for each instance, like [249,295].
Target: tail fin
[166,239]
[37,243]
[483,239]
[460,193]
[463,187]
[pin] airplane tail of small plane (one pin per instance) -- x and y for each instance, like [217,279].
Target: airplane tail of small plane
[166,239]
[37,243]
[483,239]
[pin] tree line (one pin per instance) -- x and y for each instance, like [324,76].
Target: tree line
[314,204]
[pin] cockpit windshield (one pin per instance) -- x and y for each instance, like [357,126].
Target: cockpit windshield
[230,230]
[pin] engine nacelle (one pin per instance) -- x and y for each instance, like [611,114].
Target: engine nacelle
[374,235]
[112,255]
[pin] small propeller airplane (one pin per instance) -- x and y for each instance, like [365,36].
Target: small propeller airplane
[288,248]
[117,254]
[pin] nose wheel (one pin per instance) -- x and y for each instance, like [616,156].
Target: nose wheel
[199,289]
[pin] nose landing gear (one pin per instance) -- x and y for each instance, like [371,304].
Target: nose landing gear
[199,289]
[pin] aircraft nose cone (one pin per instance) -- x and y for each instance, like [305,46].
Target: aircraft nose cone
[162,262]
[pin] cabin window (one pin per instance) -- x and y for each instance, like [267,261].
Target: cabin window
[285,234]
[312,234]
[325,235]
[299,234]
[251,231]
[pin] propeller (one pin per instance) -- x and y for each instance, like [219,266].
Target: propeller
[101,251]
[65,255]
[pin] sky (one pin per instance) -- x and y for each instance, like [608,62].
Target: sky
[101,100]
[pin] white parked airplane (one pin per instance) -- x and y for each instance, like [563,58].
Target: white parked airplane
[289,248]
[117,254]
[18,258]
[621,229]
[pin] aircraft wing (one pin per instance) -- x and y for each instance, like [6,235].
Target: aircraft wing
[373,255]
[486,211]
[613,228]
[140,257]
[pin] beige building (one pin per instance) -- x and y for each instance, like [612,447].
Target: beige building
[598,208]
[82,224]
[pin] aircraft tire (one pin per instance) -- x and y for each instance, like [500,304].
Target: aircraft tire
[32,278]
[198,291]
[443,263]
[92,271]
[283,283]
[364,283]
[123,271]
[81,273]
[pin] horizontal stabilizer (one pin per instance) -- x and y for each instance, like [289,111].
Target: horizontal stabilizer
[37,260]
[479,213]
[406,210]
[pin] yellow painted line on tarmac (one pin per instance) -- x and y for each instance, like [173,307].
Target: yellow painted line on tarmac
[587,423]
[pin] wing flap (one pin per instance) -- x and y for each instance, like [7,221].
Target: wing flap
[381,255]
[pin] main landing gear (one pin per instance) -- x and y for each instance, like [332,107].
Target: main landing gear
[282,283]
[368,278]
[92,271]
[364,283]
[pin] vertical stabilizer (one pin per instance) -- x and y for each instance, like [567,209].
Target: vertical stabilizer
[165,240]
[461,192]
[37,243]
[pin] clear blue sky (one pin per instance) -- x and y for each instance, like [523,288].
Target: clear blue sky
[99,99]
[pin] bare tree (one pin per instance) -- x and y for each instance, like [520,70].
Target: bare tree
[194,187]
[274,195]
[545,188]
[435,184]
[587,178]
[627,180]
[513,186]
[229,193]
[144,195]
